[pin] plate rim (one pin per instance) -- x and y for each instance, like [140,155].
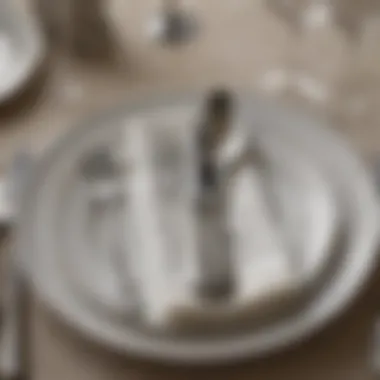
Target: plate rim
[25,243]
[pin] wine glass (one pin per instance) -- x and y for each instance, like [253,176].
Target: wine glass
[173,24]
[359,82]
[301,19]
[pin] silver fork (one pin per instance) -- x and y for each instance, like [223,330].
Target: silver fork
[14,350]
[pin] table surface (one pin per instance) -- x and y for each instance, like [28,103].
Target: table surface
[238,42]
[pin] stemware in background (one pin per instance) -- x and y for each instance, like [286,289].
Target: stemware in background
[358,89]
[353,94]
[301,19]
[173,24]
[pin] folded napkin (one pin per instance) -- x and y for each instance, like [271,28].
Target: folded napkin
[166,227]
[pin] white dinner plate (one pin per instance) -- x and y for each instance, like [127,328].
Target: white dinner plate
[22,47]
[342,274]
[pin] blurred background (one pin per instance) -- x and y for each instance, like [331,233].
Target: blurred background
[318,53]
[61,60]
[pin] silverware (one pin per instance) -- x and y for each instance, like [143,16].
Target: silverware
[375,349]
[375,337]
[5,206]
[216,279]
[14,338]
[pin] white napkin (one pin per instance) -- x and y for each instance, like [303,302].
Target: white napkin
[263,265]
[165,226]
[265,277]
